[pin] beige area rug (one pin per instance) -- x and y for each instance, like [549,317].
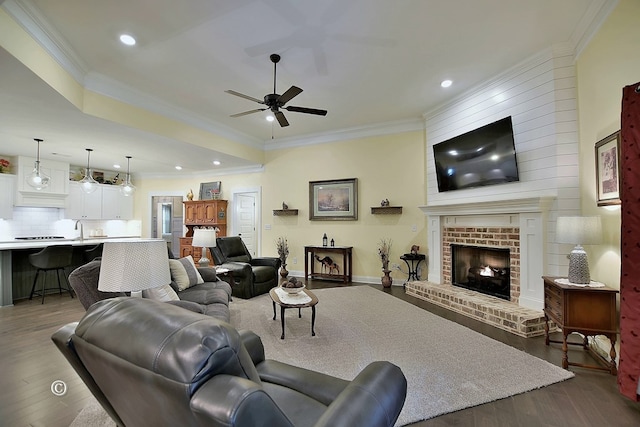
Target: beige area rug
[448,367]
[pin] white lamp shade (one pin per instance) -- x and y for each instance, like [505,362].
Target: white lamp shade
[204,237]
[134,266]
[579,230]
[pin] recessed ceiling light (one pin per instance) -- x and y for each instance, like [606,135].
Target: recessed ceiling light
[270,118]
[117,166]
[216,162]
[127,39]
[446,83]
[178,167]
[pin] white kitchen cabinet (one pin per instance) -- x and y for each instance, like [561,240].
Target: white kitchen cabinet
[81,205]
[53,196]
[114,204]
[7,189]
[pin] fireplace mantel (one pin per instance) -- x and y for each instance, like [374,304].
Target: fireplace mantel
[528,214]
[510,206]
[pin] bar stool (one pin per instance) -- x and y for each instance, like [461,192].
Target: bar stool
[51,258]
[93,253]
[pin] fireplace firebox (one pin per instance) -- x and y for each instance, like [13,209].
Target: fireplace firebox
[481,269]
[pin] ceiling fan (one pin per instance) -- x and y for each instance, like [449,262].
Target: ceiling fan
[275,102]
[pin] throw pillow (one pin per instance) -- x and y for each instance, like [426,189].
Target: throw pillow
[163,293]
[184,272]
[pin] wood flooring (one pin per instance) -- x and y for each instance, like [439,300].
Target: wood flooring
[30,363]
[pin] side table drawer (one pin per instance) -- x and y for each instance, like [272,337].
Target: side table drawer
[553,303]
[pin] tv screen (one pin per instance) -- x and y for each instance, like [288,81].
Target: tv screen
[484,156]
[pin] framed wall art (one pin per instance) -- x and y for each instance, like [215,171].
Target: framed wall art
[335,199]
[608,170]
[210,190]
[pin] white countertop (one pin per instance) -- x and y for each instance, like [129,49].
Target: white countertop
[89,241]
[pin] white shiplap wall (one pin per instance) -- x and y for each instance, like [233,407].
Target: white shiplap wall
[540,95]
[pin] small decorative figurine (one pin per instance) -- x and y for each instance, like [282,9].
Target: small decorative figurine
[384,202]
[190,195]
[415,249]
[285,206]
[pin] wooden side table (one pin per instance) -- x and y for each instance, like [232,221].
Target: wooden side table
[586,310]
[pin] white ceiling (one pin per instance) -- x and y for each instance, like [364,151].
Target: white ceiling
[368,62]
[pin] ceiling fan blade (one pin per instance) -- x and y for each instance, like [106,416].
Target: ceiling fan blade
[289,94]
[306,110]
[247,112]
[241,95]
[281,119]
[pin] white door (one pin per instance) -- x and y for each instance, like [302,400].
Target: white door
[244,209]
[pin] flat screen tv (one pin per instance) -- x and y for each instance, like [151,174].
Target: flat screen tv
[484,156]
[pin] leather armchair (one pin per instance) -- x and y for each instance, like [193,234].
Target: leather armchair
[252,276]
[194,370]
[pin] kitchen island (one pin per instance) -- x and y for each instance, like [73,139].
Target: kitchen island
[17,274]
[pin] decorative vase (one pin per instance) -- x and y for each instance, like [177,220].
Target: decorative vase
[387,280]
[283,271]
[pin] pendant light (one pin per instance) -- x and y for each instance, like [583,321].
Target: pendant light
[37,179]
[127,188]
[88,184]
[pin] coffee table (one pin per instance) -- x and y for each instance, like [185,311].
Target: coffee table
[283,306]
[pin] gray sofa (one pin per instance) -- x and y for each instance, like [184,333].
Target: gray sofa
[194,370]
[211,297]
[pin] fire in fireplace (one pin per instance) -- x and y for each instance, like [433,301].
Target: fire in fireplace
[481,269]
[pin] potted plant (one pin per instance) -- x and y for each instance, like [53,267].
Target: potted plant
[282,247]
[384,248]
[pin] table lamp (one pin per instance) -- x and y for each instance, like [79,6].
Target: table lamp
[134,266]
[205,238]
[579,230]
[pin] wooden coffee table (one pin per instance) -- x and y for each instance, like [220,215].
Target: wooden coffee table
[283,307]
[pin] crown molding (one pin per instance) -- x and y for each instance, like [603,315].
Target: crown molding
[35,24]
[208,174]
[112,88]
[590,23]
[377,129]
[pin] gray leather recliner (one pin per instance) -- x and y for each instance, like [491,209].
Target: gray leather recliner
[154,364]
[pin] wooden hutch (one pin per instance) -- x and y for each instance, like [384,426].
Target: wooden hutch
[202,214]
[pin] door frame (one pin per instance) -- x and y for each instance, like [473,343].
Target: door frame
[258,214]
[150,196]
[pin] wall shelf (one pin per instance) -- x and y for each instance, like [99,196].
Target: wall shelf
[386,210]
[285,212]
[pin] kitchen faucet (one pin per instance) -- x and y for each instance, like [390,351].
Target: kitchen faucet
[81,229]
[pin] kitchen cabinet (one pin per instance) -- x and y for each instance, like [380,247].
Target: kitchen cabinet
[81,205]
[53,196]
[115,205]
[7,189]
[105,203]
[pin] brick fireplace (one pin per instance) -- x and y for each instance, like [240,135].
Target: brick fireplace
[518,225]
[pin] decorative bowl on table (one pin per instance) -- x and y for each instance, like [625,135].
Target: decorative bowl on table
[292,291]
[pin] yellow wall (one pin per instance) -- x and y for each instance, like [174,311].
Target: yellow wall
[390,166]
[609,62]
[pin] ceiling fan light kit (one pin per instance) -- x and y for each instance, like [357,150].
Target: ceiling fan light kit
[275,102]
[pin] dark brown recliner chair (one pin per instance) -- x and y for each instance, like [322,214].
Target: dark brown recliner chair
[194,370]
[252,276]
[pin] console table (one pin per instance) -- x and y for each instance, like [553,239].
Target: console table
[586,310]
[327,272]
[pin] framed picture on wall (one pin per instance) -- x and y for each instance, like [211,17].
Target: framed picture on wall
[334,199]
[210,190]
[608,170]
